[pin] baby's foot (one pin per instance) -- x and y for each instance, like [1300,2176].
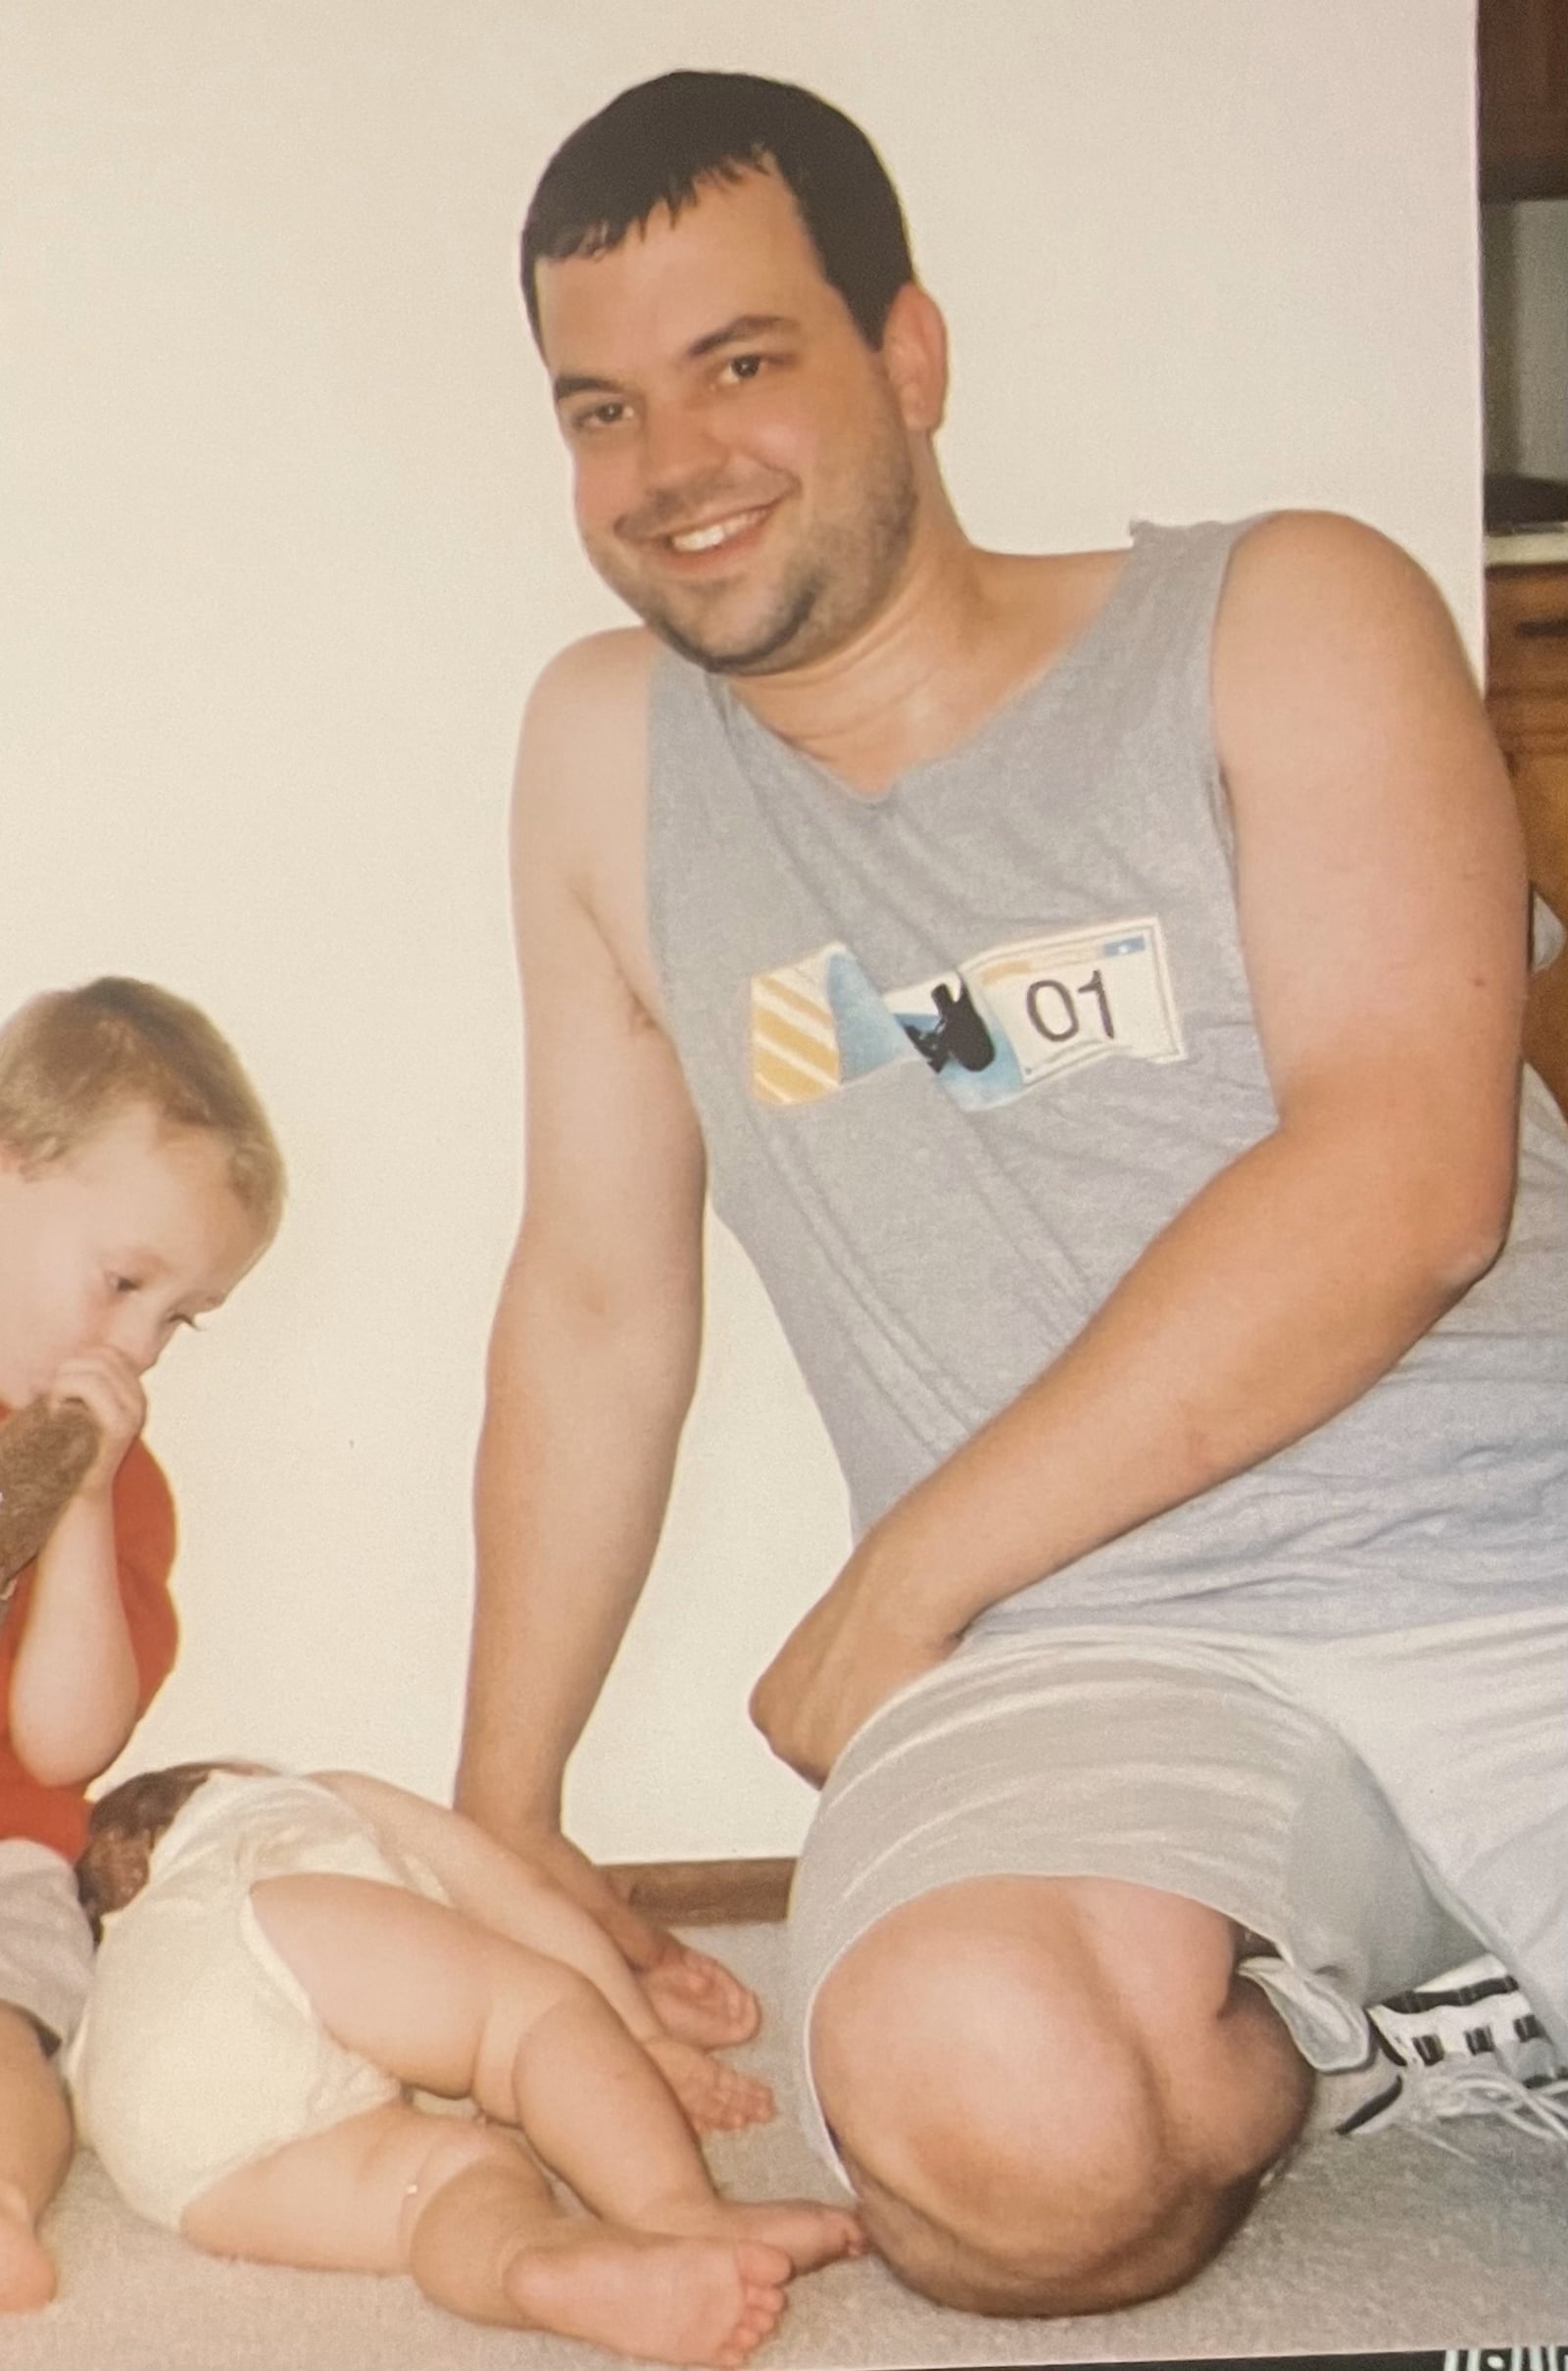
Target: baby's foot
[697,2000]
[715,2096]
[27,2276]
[682,2301]
[809,2233]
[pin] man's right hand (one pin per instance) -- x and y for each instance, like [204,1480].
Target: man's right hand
[642,1945]
[696,1998]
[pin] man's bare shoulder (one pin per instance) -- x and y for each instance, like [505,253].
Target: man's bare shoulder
[1290,563]
[1322,615]
[614,666]
[580,798]
[1290,571]
[582,751]
[594,689]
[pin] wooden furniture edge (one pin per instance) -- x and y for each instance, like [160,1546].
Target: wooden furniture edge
[705,1893]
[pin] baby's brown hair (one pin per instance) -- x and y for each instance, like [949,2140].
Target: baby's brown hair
[123,1827]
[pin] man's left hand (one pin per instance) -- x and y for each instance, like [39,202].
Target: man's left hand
[834,1670]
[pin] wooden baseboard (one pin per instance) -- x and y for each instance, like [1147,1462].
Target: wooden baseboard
[705,1893]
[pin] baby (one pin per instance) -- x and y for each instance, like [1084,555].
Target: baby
[284,1959]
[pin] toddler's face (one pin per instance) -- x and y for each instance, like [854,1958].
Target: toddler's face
[132,1235]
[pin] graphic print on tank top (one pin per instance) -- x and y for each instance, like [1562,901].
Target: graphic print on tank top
[1001,1022]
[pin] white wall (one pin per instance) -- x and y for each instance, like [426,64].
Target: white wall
[287,538]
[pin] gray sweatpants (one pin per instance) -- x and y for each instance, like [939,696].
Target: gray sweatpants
[1374,1807]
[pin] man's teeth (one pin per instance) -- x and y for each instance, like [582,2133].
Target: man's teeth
[704,539]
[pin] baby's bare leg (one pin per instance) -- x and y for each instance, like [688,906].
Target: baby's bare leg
[461,2208]
[34,2152]
[446,2003]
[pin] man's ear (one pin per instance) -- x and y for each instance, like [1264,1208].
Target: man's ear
[914,355]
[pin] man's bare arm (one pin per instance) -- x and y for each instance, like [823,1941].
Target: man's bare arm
[594,1351]
[1380,895]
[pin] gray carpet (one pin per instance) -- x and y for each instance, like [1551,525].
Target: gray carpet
[1386,2244]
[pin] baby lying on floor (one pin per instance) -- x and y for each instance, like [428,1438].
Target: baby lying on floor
[283,1959]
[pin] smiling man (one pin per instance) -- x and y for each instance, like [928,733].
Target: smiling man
[1090,985]
[755,547]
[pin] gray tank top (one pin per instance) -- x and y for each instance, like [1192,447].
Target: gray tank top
[960,1050]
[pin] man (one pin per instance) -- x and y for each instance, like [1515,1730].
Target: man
[1091,986]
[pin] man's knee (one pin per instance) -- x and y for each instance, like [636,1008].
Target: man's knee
[1033,2128]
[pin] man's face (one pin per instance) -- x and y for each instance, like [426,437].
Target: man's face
[745,477]
[119,1244]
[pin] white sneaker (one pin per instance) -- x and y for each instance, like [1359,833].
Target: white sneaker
[1468,2044]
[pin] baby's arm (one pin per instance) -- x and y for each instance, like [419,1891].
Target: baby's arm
[75,1683]
[499,1890]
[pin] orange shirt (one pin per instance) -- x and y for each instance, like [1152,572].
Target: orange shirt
[144,1545]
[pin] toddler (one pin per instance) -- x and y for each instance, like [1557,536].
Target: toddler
[284,1959]
[139,1182]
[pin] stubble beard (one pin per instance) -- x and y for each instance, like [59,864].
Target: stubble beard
[834,587]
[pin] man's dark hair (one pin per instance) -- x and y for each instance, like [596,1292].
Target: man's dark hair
[658,143]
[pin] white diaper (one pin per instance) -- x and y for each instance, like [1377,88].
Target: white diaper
[199,2050]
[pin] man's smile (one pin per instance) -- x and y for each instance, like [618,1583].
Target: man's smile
[714,533]
[690,524]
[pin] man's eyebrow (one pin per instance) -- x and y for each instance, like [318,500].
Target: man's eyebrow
[570,383]
[744,325]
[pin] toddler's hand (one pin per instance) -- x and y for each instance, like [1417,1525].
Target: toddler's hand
[108,1387]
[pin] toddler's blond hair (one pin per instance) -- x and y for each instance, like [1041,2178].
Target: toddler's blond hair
[73,1059]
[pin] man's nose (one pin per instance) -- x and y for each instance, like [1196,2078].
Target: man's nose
[679,445]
